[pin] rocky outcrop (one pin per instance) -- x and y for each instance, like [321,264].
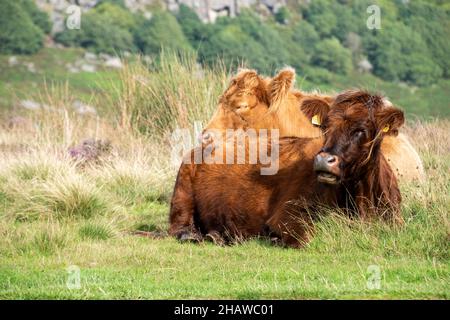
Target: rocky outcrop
[207,10]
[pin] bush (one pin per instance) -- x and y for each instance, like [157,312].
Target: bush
[331,55]
[274,53]
[100,36]
[433,25]
[282,15]
[39,18]
[317,75]
[161,31]
[233,46]
[107,28]
[18,34]
[400,54]
[321,15]
[193,28]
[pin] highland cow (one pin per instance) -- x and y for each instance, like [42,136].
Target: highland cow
[345,169]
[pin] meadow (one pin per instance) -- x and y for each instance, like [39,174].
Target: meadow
[59,214]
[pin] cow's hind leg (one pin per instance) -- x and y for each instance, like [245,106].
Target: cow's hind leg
[182,208]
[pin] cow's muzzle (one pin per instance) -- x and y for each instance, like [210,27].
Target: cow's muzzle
[327,168]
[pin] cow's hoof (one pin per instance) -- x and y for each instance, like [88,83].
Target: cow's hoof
[276,241]
[216,238]
[189,236]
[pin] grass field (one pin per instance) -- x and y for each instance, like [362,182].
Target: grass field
[58,216]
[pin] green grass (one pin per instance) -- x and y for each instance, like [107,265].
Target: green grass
[17,83]
[100,87]
[136,268]
[39,242]
[55,214]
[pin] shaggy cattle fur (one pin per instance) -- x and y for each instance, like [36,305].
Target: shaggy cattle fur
[245,105]
[230,201]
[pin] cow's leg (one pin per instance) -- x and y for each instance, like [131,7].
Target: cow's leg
[215,237]
[182,208]
[295,230]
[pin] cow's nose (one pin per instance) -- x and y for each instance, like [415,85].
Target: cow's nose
[331,159]
[326,162]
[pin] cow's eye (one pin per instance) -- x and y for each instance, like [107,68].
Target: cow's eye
[358,134]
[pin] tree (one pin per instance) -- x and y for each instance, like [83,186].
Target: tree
[101,36]
[305,35]
[282,15]
[320,14]
[399,53]
[161,31]
[107,28]
[18,34]
[331,55]
[433,24]
[193,28]
[267,37]
[39,18]
[233,46]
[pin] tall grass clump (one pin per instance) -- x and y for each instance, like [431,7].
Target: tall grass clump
[173,91]
[63,195]
[95,231]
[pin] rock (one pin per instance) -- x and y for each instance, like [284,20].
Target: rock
[88,67]
[114,62]
[12,61]
[364,65]
[207,10]
[89,56]
[82,108]
[30,67]
[71,68]
[30,105]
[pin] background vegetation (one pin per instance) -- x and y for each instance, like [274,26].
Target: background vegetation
[319,37]
[58,210]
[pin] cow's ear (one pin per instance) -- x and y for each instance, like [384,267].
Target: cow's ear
[389,120]
[247,79]
[279,87]
[315,109]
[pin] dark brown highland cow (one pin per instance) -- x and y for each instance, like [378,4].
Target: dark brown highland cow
[344,170]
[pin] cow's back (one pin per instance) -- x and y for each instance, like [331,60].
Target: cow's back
[403,158]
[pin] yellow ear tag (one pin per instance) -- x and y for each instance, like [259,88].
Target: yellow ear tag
[386,129]
[315,120]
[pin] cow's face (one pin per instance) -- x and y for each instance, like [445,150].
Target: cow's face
[245,98]
[353,130]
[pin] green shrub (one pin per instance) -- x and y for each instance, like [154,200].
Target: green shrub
[331,55]
[321,15]
[107,28]
[39,18]
[282,15]
[400,54]
[95,231]
[317,75]
[161,31]
[193,28]
[18,34]
[100,36]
